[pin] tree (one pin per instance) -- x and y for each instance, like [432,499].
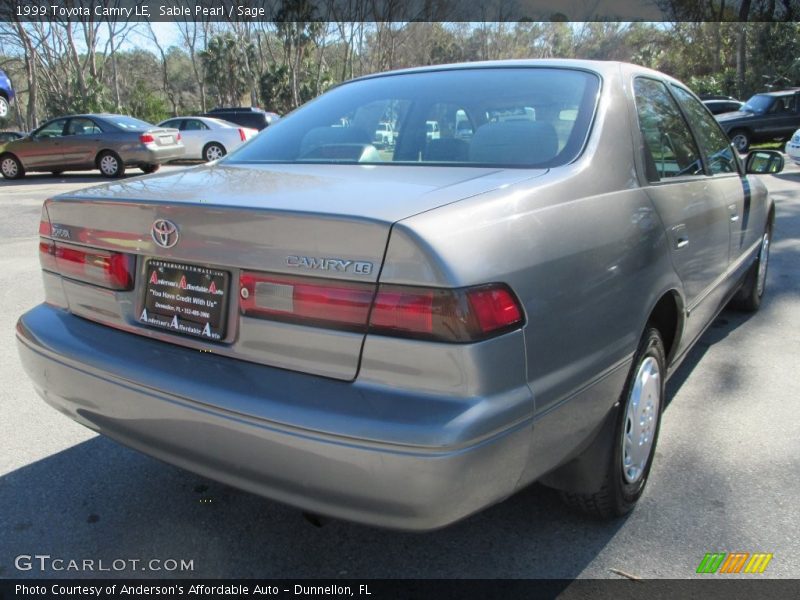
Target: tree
[226,62]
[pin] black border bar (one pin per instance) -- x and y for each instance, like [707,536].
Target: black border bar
[398,10]
[704,587]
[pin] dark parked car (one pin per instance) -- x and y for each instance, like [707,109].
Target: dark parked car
[6,94]
[10,136]
[403,337]
[718,107]
[250,116]
[763,118]
[84,142]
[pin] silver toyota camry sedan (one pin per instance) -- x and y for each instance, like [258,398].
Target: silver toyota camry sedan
[106,142]
[404,335]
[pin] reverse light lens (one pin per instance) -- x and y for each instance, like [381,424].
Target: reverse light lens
[107,269]
[446,315]
[308,301]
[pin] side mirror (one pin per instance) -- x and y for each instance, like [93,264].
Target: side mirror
[761,162]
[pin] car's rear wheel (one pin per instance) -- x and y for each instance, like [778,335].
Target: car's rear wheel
[3,108]
[213,151]
[10,167]
[740,140]
[150,168]
[110,164]
[749,296]
[635,435]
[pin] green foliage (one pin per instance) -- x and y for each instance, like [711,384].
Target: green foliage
[283,64]
[228,62]
[146,104]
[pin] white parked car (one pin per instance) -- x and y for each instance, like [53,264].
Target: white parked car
[384,134]
[209,139]
[793,147]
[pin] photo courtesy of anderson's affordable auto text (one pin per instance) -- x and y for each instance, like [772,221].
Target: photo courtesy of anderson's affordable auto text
[365,299]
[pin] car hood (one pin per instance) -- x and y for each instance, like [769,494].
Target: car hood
[374,192]
[734,116]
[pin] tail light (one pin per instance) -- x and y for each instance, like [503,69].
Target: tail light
[107,269]
[147,138]
[460,315]
[178,137]
[339,305]
[242,134]
[447,315]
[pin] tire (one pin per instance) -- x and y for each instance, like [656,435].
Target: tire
[150,168]
[642,400]
[213,151]
[4,107]
[740,140]
[110,164]
[10,167]
[749,296]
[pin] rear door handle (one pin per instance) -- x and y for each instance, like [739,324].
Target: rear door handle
[680,237]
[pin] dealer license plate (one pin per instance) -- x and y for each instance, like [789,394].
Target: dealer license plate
[186,299]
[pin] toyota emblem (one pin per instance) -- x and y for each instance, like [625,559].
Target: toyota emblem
[165,233]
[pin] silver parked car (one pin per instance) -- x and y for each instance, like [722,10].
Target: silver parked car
[209,139]
[404,337]
[106,142]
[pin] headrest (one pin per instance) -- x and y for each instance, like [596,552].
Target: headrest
[514,143]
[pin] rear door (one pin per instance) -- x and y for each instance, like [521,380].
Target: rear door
[81,141]
[194,134]
[693,213]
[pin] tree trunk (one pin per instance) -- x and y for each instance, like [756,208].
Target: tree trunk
[31,122]
[114,77]
[741,48]
[76,61]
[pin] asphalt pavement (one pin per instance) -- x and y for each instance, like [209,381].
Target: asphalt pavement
[725,477]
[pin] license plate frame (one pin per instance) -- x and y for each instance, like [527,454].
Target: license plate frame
[187,299]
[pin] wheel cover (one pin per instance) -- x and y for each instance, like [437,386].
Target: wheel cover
[108,165]
[740,141]
[763,260]
[9,167]
[3,108]
[214,153]
[641,418]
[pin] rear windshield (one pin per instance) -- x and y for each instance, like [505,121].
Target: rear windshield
[128,123]
[502,117]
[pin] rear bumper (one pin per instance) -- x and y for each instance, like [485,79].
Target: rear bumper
[153,156]
[228,420]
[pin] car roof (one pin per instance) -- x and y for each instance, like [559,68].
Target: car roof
[789,92]
[598,66]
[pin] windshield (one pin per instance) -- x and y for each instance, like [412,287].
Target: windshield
[518,117]
[758,104]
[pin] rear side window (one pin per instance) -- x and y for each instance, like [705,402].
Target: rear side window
[713,142]
[669,148]
[194,125]
[499,117]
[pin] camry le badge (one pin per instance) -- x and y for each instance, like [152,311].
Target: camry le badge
[164,233]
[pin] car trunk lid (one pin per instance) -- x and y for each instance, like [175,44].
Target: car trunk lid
[313,221]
